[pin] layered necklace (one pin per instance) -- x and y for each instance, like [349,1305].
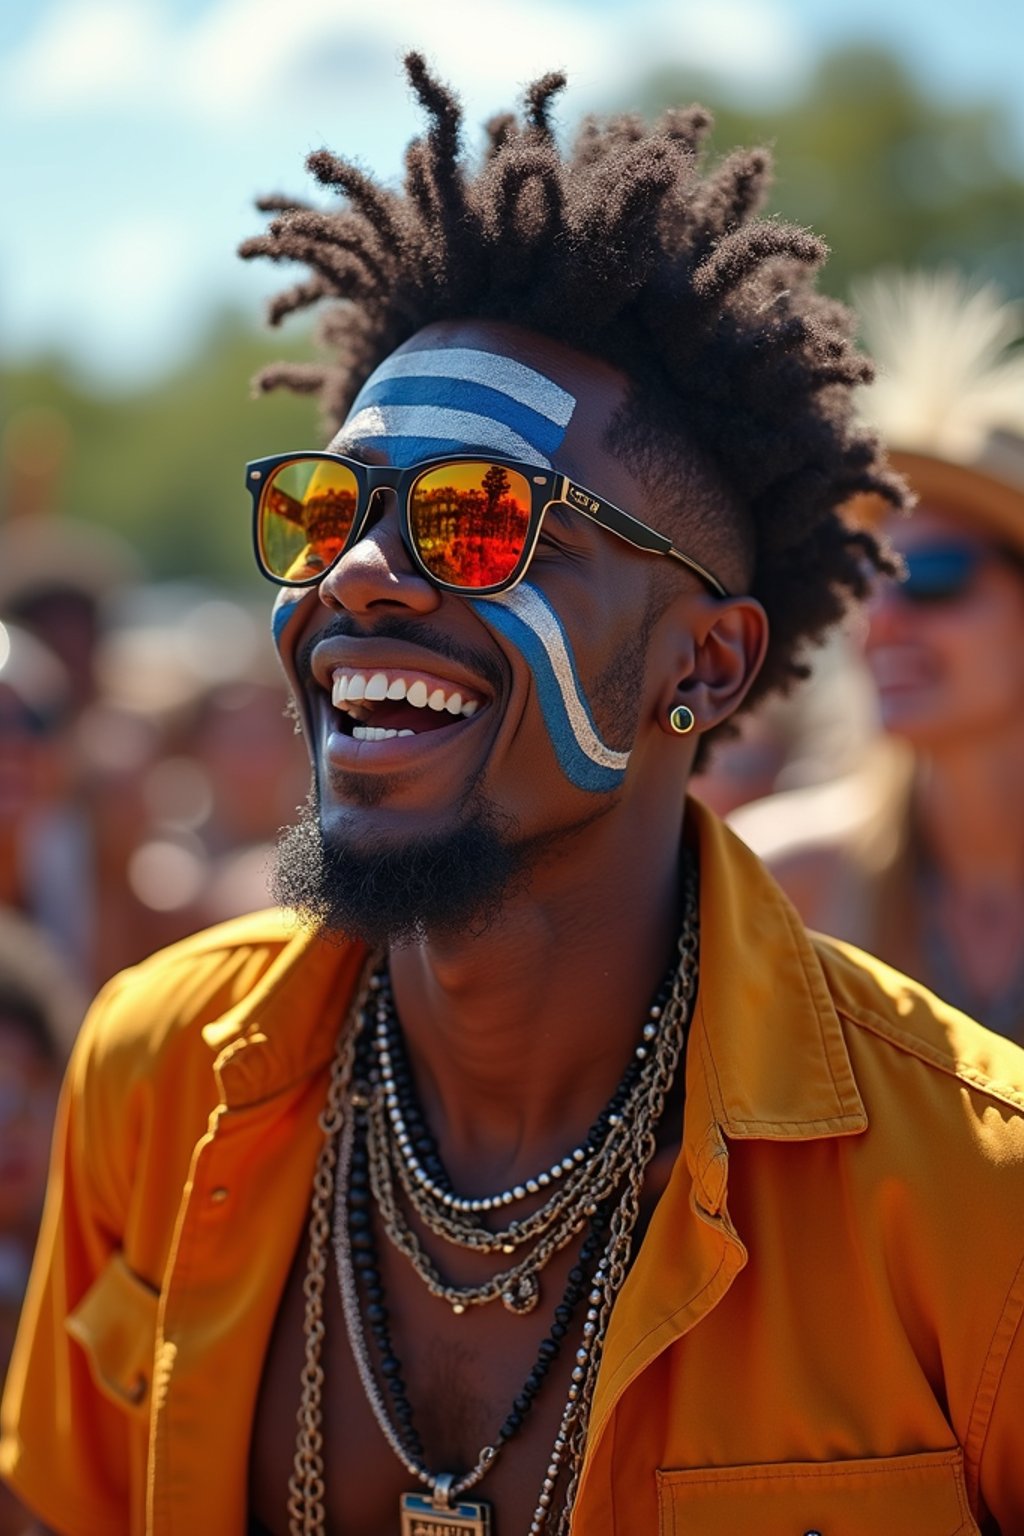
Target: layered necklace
[379,1159]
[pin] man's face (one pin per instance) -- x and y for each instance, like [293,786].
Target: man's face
[462,731]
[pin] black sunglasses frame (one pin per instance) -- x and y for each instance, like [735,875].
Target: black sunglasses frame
[547,488]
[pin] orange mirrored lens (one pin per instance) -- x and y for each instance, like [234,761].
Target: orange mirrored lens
[306,513]
[469,522]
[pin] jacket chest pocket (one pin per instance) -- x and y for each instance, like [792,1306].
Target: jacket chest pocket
[921,1495]
[115,1323]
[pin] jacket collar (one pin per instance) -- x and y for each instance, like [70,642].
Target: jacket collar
[286,1023]
[766,1057]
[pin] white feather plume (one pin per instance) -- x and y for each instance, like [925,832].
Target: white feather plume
[948,376]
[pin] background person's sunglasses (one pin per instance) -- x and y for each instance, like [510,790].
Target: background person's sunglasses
[939,573]
[470,524]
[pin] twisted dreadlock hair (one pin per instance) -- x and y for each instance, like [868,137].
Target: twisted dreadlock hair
[629,250]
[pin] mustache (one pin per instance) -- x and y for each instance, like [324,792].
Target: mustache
[412,632]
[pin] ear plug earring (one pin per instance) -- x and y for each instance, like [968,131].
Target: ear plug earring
[682,719]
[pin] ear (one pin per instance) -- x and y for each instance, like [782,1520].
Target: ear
[720,645]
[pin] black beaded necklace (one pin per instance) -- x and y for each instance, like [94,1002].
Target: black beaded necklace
[374,1302]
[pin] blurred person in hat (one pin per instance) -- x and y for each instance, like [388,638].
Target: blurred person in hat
[58,578]
[919,856]
[45,846]
[66,812]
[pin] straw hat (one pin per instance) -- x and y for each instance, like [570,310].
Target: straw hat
[949,395]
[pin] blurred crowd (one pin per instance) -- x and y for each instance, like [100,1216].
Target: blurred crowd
[145,767]
[145,770]
[916,851]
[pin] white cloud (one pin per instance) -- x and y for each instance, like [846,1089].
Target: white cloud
[251,57]
[86,53]
[135,280]
[243,61]
[755,40]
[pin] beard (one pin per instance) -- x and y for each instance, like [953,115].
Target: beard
[394,893]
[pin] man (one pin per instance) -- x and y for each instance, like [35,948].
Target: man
[919,856]
[575,1183]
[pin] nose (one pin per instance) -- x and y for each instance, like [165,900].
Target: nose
[377,572]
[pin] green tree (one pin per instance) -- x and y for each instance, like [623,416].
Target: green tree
[495,483]
[163,466]
[883,168]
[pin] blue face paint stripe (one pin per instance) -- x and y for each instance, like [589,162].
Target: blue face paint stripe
[283,611]
[456,394]
[527,603]
[504,374]
[524,618]
[383,425]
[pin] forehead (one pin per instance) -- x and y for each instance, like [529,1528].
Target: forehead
[486,385]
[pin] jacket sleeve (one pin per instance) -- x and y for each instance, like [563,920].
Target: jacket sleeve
[74,1411]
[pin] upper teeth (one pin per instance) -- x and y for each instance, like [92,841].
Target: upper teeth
[353,687]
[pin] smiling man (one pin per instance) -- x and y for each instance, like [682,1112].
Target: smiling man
[546,1175]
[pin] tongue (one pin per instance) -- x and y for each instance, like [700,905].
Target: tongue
[397,715]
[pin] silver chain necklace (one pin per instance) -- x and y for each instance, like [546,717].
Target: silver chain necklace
[435,1513]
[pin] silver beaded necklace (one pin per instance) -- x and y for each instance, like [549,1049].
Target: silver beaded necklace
[441,1511]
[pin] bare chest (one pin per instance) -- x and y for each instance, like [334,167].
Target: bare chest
[461,1376]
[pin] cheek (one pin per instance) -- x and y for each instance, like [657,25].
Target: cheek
[525,619]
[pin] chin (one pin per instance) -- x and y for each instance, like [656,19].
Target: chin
[380,879]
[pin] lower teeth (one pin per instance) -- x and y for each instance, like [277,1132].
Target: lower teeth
[376,733]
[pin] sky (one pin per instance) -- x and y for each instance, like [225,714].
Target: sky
[135,133]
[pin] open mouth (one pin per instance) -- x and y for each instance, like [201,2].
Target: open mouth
[380,705]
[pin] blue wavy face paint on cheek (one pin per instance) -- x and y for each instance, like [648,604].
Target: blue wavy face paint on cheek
[526,619]
[285,609]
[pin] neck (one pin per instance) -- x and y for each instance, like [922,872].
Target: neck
[970,813]
[518,1036]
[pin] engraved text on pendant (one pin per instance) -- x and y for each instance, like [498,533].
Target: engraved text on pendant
[421,1516]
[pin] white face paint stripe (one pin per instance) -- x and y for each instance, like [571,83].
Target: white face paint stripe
[436,422]
[504,374]
[528,605]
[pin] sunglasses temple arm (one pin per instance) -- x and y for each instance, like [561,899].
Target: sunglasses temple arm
[633,531]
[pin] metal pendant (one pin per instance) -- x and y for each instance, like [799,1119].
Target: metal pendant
[424,1516]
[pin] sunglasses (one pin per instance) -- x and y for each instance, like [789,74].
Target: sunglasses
[469,524]
[939,573]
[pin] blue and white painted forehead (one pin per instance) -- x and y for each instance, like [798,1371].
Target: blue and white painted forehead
[424,404]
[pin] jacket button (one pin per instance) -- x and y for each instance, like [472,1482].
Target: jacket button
[218,1195]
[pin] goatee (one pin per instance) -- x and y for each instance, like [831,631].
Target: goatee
[388,893]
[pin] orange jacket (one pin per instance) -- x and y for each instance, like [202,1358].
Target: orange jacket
[821,1331]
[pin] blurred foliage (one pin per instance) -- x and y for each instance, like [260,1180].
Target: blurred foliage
[163,465]
[886,172]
